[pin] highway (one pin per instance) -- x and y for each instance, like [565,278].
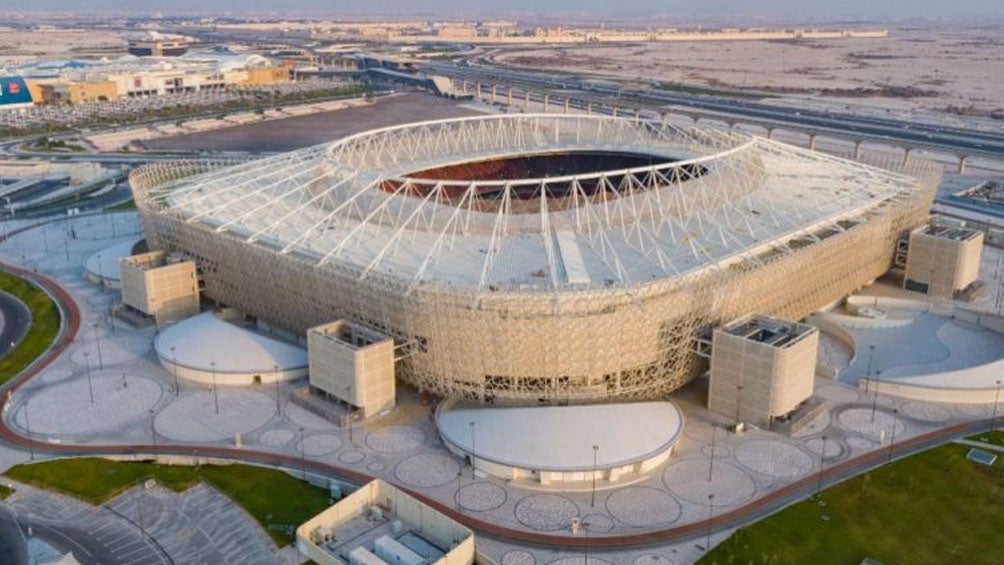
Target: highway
[951,139]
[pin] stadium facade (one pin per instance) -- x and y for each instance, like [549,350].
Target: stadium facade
[536,258]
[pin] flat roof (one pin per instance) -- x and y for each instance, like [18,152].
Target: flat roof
[561,438]
[105,263]
[205,339]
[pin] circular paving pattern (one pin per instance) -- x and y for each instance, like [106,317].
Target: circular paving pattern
[974,410]
[113,350]
[652,559]
[480,497]
[546,512]
[926,412]
[643,507]
[860,420]
[376,466]
[276,438]
[304,419]
[320,444]
[396,439]
[427,470]
[65,408]
[773,458]
[688,480]
[698,431]
[838,393]
[598,523]
[579,560]
[55,375]
[719,451]
[833,447]
[351,457]
[193,417]
[860,443]
[519,557]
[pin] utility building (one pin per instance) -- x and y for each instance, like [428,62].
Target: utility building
[160,285]
[353,364]
[762,368]
[943,261]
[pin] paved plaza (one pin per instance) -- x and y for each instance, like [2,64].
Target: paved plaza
[135,401]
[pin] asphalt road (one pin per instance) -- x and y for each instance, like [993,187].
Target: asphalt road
[13,546]
[16,321]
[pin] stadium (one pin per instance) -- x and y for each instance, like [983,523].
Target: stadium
[536,258]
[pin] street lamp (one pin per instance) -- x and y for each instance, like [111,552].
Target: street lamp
[90,386]
[303,456]
[739,393]
[892,439]
[97,336]
[153,431]
[711,462]
[822,454]
[27,425]
[474,452]
[278,402]
[592,498]
[174,370]
[711,513]
[878,379]
[997,395]
[216,395]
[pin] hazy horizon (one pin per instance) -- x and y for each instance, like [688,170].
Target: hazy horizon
[662,10]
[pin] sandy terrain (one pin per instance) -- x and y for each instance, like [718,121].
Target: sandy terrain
[945,70]
[21,46]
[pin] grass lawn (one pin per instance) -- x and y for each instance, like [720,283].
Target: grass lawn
[278,501]
[935,507]
[995,437]
[41,333]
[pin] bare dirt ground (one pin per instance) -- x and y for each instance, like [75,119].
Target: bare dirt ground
[22,46]
[949,70]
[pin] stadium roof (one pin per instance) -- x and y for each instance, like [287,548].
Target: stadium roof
[709,200]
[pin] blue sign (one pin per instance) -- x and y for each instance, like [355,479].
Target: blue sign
[13,90]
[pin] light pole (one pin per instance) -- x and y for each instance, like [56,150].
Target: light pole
[303,456]
[997,395]
[90,386]
[153,431]
[739,393]
[351,412]
[474,452]
[216,395]
[871,355]
[878,379]
[892,439]
[711,461]
[97,336]
[174,370]
[278,402]
[822,454]
[711,513]
[592,498]
[27,425]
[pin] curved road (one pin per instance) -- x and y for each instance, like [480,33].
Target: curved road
[737,517]
[16,321]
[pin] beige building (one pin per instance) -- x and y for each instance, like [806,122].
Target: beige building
[380,524]
[762,368]
[592,293]
[160,286]
[353,364]
[943,261]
